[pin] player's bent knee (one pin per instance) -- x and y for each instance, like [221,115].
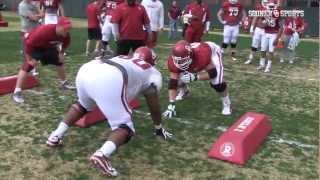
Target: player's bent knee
[254,49]
[79,108]
[130,133]
[219,87]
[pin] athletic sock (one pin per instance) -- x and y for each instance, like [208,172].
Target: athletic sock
[61,130]
[107,149]
[250,56]
[262,61]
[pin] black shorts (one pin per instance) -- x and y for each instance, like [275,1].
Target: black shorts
[47,56]
[124,46]
[94,34]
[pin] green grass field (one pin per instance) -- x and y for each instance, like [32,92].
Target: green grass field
[289,95]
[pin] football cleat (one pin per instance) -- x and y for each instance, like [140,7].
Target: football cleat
[233,58]
[291,62]
[182,94]
[17,97]
[267,70]
[54,141]
[248,61]
[260,67]
[103,165]
[281,60]
[67,86]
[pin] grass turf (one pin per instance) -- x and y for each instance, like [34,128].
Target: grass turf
[289,95]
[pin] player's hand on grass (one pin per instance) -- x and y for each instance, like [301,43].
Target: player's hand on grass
[170,112]
[160,131]
[188,77]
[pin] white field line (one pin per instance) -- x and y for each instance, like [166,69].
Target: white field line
[223,129]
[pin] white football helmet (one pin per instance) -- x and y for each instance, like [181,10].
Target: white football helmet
[233,1]
[264,2]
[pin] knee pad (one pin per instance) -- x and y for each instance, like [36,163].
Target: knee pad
[224,45]
[233,45]
[78,107]
[129,131]
[254,49]
[219,87]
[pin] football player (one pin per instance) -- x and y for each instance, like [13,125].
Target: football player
[107,31]
[293,28]
[271,37]
[231,14]
[110,84]
[196,62]
[257,31]
[197,17]
[52,9]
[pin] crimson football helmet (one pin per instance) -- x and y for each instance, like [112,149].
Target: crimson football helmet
[181,55]
[146,54]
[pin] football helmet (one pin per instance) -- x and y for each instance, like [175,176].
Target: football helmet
[272,5]
[181,55]
[264,2]
[146,54]
[233,1]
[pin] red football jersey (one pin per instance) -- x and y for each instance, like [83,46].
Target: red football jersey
[43,37]
[273,22]
[111,5]
[92,15]
[201,58]
[52,4]
[259,23]
[232,13]
[293,24]
[200,14]
[131,20]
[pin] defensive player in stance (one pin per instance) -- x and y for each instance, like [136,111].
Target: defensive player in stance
[293,29]
[257,31]
[271,37]
[110,84]
[231,14]
[196,17]
[41,45]
[196,61]
[52,9]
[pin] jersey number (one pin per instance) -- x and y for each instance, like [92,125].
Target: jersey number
[271,22]
[141,63]
[233,11]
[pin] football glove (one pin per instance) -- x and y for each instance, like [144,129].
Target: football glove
[170,112]
[162,133]
[189,77]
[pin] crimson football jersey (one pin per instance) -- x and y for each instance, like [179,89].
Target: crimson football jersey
[43,37]
[232,13]
[260,7]
[201,58]
[292,24]
[111,5]
[272,22]
[200,14]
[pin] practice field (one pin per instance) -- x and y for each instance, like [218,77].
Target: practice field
[289,95]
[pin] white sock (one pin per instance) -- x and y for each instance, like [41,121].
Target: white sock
[250,56]
[17,90]
[62,81]
[107,149]
[269,63]
[226,100]
[61,130]
[262,61]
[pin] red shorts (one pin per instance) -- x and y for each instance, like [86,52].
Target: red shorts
[154,38]
[193,35]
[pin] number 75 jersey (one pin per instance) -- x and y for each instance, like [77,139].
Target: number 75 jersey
[141,75]
[232,13]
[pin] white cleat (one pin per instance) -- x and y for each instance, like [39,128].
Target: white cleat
[67,86]
[103,165]
[17,97]
[291,62]
[267,70]
[281,60]
[248,61]
[182,94]
[260,67]
[234,59]
[54,141]
[226,110]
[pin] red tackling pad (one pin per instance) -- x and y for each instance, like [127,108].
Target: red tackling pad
[7,84]
[96,116]
[3,23]
[242,139]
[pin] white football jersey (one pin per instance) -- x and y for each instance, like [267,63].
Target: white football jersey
[140,75]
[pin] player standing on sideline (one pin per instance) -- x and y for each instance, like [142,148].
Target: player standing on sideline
[292,30]
[174,14]
[271,37]
[30,15]
[196,61]
[41,45]
[107,31]
[197,17]
[52,9]
[231,14]
[128,21]
[94,30]
[110,84]
[155,11]
[257,31]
